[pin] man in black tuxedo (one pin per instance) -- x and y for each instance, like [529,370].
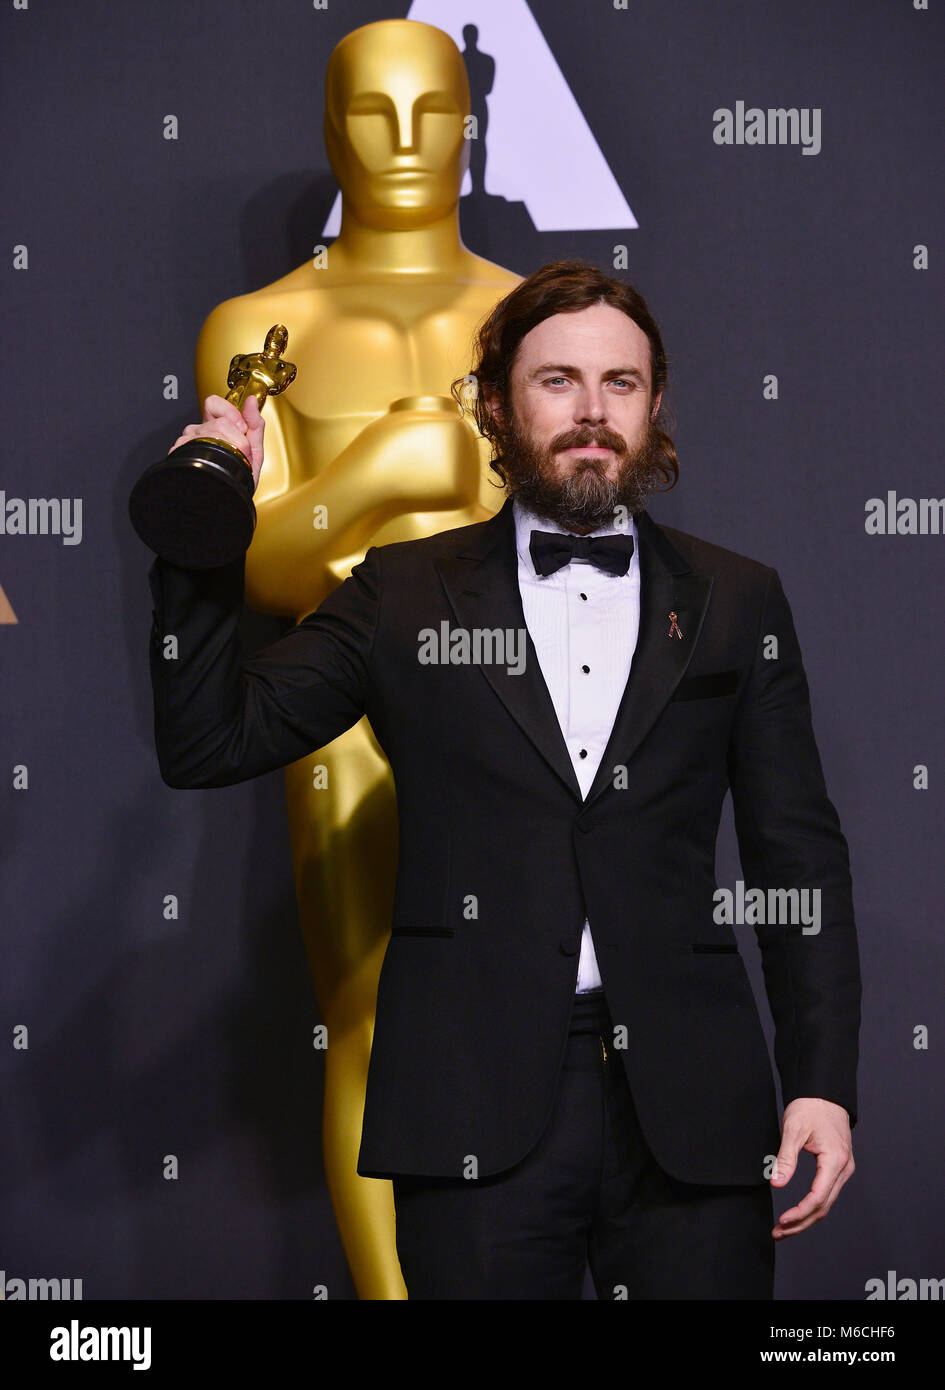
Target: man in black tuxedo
[568,1063]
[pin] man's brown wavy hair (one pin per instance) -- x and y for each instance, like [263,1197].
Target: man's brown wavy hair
[561,287]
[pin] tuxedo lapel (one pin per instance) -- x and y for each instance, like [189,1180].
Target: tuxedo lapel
[667,586]
[481,583]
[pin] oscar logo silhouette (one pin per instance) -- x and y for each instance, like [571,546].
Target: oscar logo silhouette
[195,507]
[370,446]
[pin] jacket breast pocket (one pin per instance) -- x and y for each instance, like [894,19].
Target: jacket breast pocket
[708,686]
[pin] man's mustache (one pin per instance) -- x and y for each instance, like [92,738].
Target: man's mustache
[603,439]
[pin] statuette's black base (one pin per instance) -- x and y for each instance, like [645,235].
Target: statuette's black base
[195,507]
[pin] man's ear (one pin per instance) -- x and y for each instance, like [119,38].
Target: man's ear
[656,405]
[494,404]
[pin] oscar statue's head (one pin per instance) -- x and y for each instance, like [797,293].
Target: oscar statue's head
[276,341]
[396,99]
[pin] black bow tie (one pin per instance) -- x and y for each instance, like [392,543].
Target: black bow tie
[552,550]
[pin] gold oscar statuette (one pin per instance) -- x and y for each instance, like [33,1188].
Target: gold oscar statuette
[195,507]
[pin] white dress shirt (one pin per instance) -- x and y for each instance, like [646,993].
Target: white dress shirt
[584,625]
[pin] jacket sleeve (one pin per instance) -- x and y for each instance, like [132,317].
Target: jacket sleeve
[789,837]
[219,719]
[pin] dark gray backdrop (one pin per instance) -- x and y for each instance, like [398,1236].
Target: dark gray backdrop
[193,1037]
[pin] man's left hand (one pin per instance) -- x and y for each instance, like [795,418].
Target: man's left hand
[822,1128]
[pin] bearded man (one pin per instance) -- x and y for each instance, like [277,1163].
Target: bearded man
[568,1064]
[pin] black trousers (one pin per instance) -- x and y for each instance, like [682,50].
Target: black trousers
[589,1192]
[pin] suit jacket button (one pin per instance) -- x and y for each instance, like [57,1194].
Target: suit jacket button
[570,945]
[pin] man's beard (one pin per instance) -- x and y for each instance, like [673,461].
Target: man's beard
[584,497]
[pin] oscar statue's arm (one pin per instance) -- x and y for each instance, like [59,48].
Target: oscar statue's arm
[420,456]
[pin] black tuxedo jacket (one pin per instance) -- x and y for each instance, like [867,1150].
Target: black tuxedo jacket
[500,859]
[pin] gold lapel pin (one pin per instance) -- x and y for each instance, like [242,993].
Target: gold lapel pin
[674,628]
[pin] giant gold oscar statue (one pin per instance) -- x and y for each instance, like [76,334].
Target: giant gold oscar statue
[380,325]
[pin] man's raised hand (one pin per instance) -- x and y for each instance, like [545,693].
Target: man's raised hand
[221,420]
